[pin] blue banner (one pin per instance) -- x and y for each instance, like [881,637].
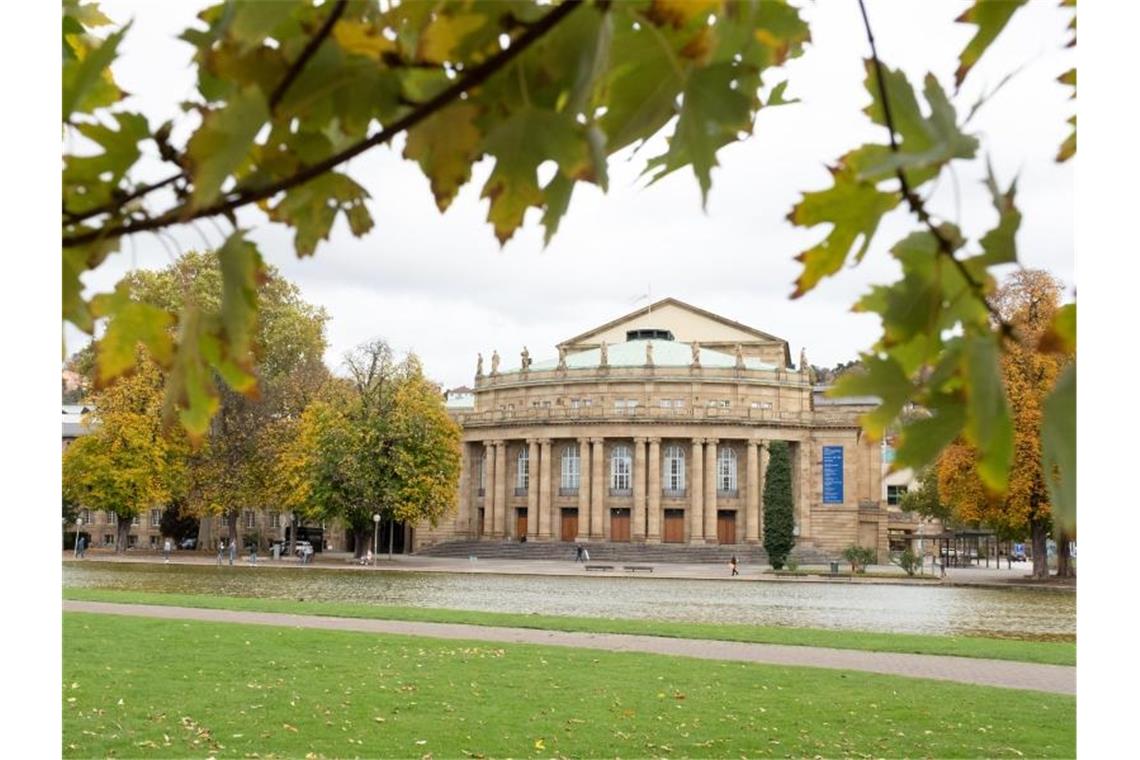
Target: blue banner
[832,474]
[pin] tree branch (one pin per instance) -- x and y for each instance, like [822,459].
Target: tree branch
[917,207]
[238,198]
[311,48]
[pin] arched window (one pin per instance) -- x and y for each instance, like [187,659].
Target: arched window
[726,470]
[522,472]
[571,470]
[621,469]
[673,473]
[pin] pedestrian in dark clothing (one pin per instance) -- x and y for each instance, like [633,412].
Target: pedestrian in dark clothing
[732,564]
[578,553]
[82,547]
[221,551]
[233,552]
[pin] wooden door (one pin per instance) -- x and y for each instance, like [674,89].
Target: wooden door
[726,526]
[619,525]
[520,523]
[674,526]
[569,524]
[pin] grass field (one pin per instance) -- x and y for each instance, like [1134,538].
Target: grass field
[136,687]
[1049,652]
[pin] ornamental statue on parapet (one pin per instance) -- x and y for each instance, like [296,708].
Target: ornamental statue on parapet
[696,349]
[605,350]
[803,361]
[479,366]
[739,357]
[525,359]
[562,357]
[648,353]
[494,363]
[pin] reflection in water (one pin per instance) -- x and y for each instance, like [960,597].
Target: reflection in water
[895,608]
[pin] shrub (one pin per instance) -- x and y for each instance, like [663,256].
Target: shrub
[859,557]
[779,521]
[909,561]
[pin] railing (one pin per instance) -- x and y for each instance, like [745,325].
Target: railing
[521,491]
[621,492]
[671,493]
[727,493]
[568,491]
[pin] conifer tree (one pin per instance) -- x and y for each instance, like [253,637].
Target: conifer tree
[778,519]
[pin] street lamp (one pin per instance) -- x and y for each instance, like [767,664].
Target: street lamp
[78,530]
[375,536]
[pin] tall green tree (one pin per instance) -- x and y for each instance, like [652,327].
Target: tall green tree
[127,463]
[779,517]
[288,93]
[382,443]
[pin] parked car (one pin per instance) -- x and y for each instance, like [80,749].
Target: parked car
[188,543]
[1018,555]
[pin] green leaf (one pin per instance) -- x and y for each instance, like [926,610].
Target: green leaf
[921,441]
[876,377]
[1061,337]
[242,273]
[989,426]
[89,181]
[445,145]
[251,22]
[77,260]
[557,192]
[776,96]
[1068,148]
[130,322]
[83,77]
[1059,449]
[715,111]
[311,209]
[854,210]
[190,391]
[642,86]
[999,243]
[519,144]
[990,16]
[223,141]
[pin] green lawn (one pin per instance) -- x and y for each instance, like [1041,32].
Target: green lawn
[1050,652]
[137,687]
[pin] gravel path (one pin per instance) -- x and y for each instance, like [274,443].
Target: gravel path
[1059,679]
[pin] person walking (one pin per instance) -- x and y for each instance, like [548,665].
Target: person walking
[733,564]
[233,552]
[221,550]
[166,551]
[81,544]
[578,553]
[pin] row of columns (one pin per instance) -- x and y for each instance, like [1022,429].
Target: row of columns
[646,518]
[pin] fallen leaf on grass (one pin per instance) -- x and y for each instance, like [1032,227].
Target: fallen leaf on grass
[287,727]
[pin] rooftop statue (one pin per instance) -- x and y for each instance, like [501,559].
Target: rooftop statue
[649,353]
[696,347]
[739,357]
[562,357]
[494,362]
[479,366]
[605,355]
[525,359]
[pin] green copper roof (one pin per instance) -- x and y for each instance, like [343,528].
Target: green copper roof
[666,353]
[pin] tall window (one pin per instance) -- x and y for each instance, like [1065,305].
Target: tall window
[673,473]
[571,468]
[621,467]
[522,474]
[726,470]
[155,518]
[274,519]
[112,518]
[895,494]
[135,520]
[249,518]
[85,515]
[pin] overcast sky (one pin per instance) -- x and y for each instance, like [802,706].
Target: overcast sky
[440,284]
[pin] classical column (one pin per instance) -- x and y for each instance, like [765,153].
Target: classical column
[696,494]
[637,532]
[500,522]
[463,509]
[533,470]
[711,478]
[597,495]
[583,487]
[752,495]
[803,490]
[653,486]
[545,497]
[489,488]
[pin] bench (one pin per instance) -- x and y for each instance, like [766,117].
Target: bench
[599,567]
[635,568]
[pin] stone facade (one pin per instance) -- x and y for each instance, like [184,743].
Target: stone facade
[655,428]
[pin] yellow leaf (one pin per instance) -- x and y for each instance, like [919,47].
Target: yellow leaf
[445,145]
[443,34]
[362,39]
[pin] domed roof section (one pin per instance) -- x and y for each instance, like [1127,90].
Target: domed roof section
[666,353]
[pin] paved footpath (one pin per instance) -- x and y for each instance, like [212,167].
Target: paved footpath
[1061,679]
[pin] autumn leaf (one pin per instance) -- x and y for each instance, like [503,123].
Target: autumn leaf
[1059,449]
[130,322]
[988,425]
[445,32]
[85,76]
[445,145]
[362,39]
[223,141]
[311,209]
[990,17]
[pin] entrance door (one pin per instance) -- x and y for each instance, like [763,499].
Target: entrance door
[520,523]
[726,526]
[482,517]
[569,525]
[619,525]
[674,526]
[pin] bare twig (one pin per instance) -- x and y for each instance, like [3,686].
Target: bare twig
[311,48]
[238,198]
[917,207]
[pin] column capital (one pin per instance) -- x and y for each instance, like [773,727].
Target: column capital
[653,439]
[640,439]
[544,441]
[712,441]
[583,439]
[533,441]
[597,439]
[698,441]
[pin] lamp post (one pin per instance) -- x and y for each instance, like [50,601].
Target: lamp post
[78,530]
[375,536]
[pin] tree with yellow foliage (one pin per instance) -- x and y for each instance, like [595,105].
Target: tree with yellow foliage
[1028,300]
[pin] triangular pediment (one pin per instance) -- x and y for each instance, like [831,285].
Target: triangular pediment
[685,321]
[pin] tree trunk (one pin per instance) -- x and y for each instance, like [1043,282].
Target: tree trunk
[362,538]
[1040,553]
[205,533]
[122,530]
[391,533]
[1065,568]
[232,525]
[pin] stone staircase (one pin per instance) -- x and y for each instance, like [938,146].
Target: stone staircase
[605,551]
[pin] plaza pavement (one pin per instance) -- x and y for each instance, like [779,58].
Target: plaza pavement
[1001,673]
[889,574]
